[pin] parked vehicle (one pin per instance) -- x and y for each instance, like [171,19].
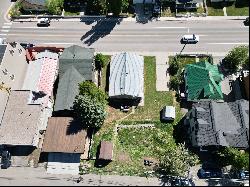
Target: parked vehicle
[209,173]
[182,182]
[187,39]
[5,160]
[246,21]
[43,22]
[242,174]
[26,45]
[1,41]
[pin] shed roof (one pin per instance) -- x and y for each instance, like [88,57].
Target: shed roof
[75,66]
[65,135]
[21,128]
[202,81]
[106,150]
[126,78]
[170,112]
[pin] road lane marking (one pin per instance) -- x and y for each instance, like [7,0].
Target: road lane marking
[170,27]
[6,27]
[3,34]
[56,43]
[33,27]
[9,23]
[4,30]
[243,43]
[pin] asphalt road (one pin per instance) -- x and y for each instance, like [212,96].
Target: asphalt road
[110,36]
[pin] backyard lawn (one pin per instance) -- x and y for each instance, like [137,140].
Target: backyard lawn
[132,145]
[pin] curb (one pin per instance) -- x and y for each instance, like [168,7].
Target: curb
[127,19]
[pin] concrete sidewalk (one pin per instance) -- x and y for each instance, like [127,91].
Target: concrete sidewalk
[130,19]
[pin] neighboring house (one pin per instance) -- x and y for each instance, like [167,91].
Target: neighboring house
[215,1]
[143,1]
[22,119]
[64,142]
[126,80]
[76,64]
[26,110]
[214,124]
[246,86]
[202,81]
[34,5]
[13,67]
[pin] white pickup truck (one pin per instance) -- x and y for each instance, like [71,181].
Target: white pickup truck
[192,38]
[43,22]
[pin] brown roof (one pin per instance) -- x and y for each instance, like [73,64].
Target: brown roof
[21,120]
[106,150]
[246,83]
[65,135]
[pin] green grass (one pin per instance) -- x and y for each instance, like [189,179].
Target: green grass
[234,11]
[182,60]
[137,143]
[71,13]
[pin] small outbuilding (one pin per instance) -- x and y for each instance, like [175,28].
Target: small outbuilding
[106,151]
[168,113]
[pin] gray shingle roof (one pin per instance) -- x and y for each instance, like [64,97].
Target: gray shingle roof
[75,66]
[126,76]
[37,2]
[225,124]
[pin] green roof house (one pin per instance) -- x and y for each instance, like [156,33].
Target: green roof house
[75,66]
[202,81]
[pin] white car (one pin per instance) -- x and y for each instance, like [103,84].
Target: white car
[43,22]
[192,38]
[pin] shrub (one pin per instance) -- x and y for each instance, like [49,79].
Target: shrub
[173,67]
[174,82]
[55,6]
[15,10]
[236,58]
[100,61]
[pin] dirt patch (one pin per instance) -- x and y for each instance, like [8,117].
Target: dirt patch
[123,157]
[114,114]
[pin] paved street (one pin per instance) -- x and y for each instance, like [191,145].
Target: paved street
[39,177]
[162,36]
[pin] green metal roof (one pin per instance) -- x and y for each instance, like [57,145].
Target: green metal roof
[202,81]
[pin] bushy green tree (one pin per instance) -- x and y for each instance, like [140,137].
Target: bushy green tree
[90,112]
[236,58]
[89,89]
[55,6]
[177,160]
[174,66]
[174,82]
[231,156]
[97,6]
[100,61]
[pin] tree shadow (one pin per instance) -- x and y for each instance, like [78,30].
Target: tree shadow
[74,127]
[102,28]
[180,132]
[241,3]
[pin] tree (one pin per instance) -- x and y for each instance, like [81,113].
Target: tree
[173,67]
[89,111]
[177,160]
[100,61]
[231,156]
[236,58]
[55,6]
[89,89]
[174,82]
[97,6]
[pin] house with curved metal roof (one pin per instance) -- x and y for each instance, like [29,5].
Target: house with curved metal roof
[126,80]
